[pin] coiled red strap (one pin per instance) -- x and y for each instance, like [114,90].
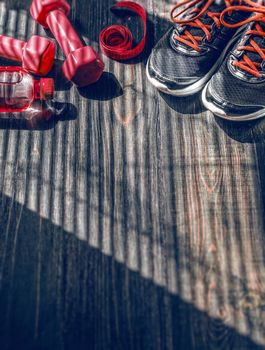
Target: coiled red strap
[116,41]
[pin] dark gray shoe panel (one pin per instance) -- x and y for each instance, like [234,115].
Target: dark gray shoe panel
[225,87]
[177,67]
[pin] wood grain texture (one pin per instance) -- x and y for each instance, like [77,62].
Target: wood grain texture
[136,221]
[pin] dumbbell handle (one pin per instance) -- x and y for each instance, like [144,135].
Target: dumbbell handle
[63,31]
[11,48]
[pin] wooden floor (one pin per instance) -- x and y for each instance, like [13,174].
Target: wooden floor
[135,221]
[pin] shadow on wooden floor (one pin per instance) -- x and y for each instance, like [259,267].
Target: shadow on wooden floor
[245,132]
[250,132]
[106,88]
[34,118]
[57,292]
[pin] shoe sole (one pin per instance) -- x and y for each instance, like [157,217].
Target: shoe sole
[196,87]
[219,112]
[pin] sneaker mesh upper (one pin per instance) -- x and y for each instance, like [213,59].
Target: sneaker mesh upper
[172,64]
[227,87]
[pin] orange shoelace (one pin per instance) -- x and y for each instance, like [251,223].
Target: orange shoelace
[203,8]
[247,64]
[195,22]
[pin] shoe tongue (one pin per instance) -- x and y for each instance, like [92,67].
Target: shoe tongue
[217,6]
[254,56]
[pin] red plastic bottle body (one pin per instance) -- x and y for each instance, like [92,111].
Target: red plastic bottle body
[18,89]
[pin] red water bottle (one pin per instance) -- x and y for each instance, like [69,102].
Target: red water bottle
[19,90]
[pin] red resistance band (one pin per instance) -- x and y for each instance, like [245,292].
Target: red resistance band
[116,41]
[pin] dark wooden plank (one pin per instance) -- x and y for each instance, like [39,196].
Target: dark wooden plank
[134,222]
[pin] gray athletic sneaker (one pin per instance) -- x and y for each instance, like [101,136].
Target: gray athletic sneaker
[237,90]
[188,55]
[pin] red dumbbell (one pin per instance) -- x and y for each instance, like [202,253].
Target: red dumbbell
[36,55]
[83,66]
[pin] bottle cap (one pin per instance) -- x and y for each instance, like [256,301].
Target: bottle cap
[46,88]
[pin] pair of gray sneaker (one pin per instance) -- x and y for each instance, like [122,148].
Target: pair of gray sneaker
[217,46]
